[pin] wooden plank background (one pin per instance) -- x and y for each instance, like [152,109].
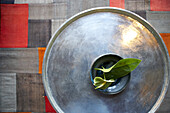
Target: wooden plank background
[39,33]
[18,60]
[30,93]
[21,87]
[8,92]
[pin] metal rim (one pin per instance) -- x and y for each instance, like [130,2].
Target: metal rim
[113,10]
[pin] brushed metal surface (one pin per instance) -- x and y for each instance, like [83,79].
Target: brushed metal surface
[90,34]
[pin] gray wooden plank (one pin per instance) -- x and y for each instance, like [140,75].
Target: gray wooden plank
[32,1]
[157,15]
[137,5]
[75,6]
[159,20]
[55,24]
[47,11]
[39,33]
[59,1]
[60,10]
[19,60]
[41,11]
[7,92]
[30,93]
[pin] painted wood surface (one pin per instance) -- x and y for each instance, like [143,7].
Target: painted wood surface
[18,60]
[138,6]
[14,25]
[166,39]
[39,33]
[159,20]
[47,11]
[41,52]
[160,5]
[117,3]
[30,93]
[8,92]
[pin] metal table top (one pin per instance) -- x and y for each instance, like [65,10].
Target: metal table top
[94,32]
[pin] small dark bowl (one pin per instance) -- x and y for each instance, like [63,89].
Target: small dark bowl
[107,60]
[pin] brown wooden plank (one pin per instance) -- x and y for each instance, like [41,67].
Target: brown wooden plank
[18,60]
[7,92]
[30,93]
[75,6]
[39,33]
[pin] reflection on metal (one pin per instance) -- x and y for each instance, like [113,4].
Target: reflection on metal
[129,34]
[90,34]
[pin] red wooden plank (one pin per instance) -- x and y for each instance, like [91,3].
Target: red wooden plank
[160,5]
[14,25]
[117,3]
[48,107]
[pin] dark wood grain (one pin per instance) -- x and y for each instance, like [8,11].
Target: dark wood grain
[18,60]
[39,33]
[30,93]
[8,92]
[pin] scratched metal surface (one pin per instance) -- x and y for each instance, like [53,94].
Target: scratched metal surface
[95,32]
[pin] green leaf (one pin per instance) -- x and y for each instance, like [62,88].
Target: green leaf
[99,82]
[118,70]
[106,85]
[104,70]
[102,83]
[122,68]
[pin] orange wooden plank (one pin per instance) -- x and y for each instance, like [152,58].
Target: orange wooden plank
[41,51]
[166,38]
[117,3]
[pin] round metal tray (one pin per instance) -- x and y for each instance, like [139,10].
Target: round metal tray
[92,33]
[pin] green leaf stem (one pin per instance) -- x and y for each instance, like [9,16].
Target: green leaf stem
[118,70]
